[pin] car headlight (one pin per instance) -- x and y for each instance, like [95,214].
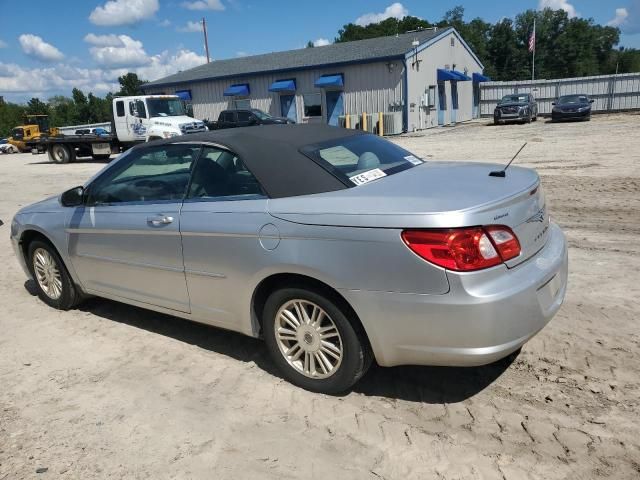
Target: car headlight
[556,109]
[583,109]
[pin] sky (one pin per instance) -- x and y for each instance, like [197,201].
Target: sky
[88,43]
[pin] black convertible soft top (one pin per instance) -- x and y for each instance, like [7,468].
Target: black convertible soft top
[272,154]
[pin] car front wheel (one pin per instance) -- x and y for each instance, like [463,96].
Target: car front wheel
[53,283]
[312,341]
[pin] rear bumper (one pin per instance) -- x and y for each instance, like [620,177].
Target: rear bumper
[486,316]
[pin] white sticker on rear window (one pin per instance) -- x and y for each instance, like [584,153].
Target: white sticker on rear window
[414,160]
[367,177]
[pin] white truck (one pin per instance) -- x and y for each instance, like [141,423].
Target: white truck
[136,119]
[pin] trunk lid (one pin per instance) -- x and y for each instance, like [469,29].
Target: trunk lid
[433,195]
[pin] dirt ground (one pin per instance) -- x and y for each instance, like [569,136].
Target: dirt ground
[112,391]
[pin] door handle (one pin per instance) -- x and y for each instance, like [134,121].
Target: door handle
[159,220]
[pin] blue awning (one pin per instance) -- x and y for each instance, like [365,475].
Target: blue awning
[184,94]
[238,90]
[446,75]
[479,78]
[283,86]
[330,81]
[462,77]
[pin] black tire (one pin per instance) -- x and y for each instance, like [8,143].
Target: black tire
[356,357]
[60,153]
[69,296]
[151,139]
[496,121]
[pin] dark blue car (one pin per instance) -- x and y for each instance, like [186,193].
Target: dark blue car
[572,107]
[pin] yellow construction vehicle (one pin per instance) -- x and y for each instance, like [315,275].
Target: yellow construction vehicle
[35,127]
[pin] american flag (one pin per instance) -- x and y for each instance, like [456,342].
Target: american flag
[532,40]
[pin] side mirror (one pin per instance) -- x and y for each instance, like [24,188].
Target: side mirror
[73,197]
[591,101]
[553,103]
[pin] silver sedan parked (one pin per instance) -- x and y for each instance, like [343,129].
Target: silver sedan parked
[335,246]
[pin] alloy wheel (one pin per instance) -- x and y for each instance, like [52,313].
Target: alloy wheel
[308,339]
[47,273]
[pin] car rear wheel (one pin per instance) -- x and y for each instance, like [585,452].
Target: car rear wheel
[312,341]
[53,283]
[59,153]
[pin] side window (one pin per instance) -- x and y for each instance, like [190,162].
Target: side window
[142,111]
[221,174]
[120,108]
[228,117]
[132,107]
[155,174]
[244,116]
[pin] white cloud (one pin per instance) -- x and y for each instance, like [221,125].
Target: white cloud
[3,44]
[204,5]
[123,12]
[621,17]
[167,63]
[129,53]
[395,10]
[321,42]
[631,24]
[164,23]
[37,48]
[59,78]
[104,40]
[559,5]
[24,82]
[191,27]
[242,54]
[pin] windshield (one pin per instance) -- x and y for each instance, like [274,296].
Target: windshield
[17,134]
[261,115]
[165,107]
[514,99]
[573,99]
[360,159]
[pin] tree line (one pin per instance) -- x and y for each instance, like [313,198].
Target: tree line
[75,110]
[566,47]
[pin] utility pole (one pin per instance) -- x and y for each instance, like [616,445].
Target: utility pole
[206,41]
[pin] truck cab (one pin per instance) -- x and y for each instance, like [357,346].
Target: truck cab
[150,117]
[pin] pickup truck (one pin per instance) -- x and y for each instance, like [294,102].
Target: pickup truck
[245,118]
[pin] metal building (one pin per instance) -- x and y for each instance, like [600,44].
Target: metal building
[417,80]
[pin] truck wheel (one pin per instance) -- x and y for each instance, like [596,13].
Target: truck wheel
[59,153]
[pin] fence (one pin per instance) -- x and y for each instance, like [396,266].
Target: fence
[612,93]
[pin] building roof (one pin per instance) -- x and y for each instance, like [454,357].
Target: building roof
[335,54]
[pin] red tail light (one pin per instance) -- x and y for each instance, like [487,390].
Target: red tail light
[464,249]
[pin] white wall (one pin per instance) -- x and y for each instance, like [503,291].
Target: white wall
[440,55]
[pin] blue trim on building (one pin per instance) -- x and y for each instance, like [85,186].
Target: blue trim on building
[334,80]
[237,90]
[184,94]
[283,86]
[479,78]
[405,94]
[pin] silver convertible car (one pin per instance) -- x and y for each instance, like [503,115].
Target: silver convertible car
[335,246]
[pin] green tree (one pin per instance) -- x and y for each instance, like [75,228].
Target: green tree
[11,115]
[35,106]
[130,84]
[388,27]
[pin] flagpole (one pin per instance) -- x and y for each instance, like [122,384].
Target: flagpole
[533,70]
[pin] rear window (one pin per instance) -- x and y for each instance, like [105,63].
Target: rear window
[360,159]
